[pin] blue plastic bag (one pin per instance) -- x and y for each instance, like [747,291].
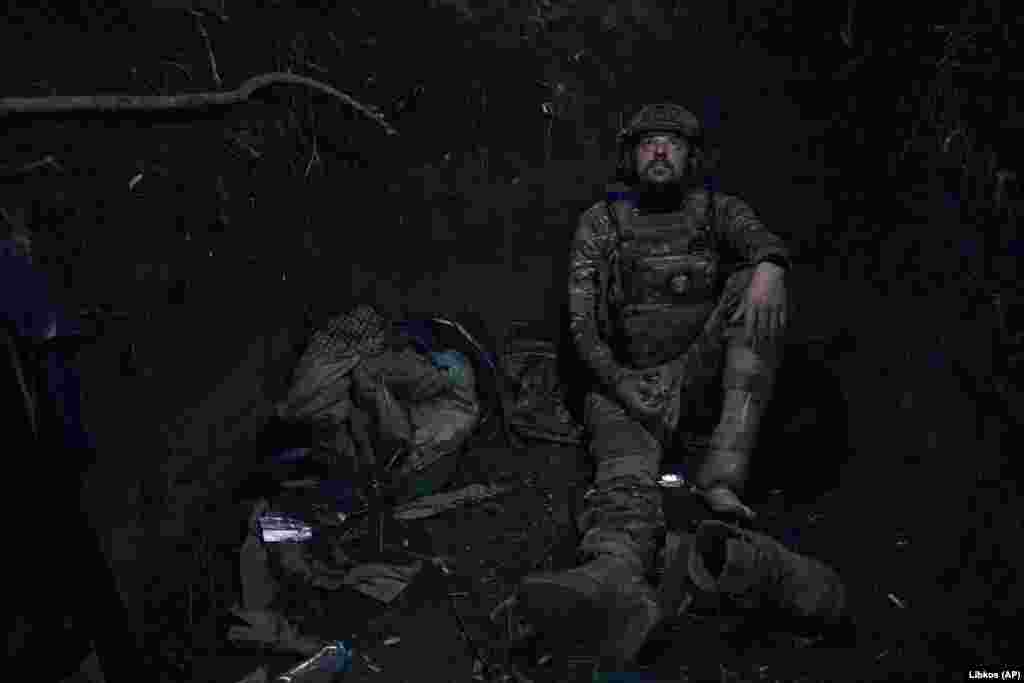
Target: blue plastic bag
[455,365]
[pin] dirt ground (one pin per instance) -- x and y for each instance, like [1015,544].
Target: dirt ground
[493,545]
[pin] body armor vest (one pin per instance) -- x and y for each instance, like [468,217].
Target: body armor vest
[665,282]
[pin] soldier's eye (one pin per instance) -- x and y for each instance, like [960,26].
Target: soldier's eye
[673,142]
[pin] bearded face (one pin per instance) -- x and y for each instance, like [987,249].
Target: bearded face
[665,171]
[662,160]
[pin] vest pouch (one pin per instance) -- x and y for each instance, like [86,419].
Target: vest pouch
[671,279]
[649,336]
[668,298]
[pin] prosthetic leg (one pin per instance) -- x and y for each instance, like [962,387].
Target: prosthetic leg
[748,381]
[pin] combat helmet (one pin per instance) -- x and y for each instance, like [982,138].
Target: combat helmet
[657,118]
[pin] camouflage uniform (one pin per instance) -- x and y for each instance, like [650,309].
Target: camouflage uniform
[653,290]
[633,323]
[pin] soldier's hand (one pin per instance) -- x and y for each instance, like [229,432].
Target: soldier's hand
[764,305]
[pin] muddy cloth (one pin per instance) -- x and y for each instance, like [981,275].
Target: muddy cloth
[322,380]
[536,395]
[646,290]
[287,575]
[368,389]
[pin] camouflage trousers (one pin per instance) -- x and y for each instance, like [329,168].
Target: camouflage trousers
[622,513]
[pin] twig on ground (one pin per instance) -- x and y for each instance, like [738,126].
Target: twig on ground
[314,66]
[313,158]
[22,105]
[211,585]
[298,54]
[48,160]
[221,14]
[136,76]
[181,67]
[846,32]
[209,46]
[191,621]
[237,140]
[508,637]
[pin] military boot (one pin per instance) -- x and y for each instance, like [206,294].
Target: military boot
[754,571]
[606,603]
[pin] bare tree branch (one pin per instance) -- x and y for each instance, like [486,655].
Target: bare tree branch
[67,103]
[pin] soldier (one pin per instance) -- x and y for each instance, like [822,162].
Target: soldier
[652,317]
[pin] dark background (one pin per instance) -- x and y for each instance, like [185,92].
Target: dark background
[232,241]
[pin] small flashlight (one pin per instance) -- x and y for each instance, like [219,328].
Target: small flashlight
[671,481]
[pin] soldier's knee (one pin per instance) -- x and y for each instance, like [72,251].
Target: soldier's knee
[748,369]
[744,359]
[622,439]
